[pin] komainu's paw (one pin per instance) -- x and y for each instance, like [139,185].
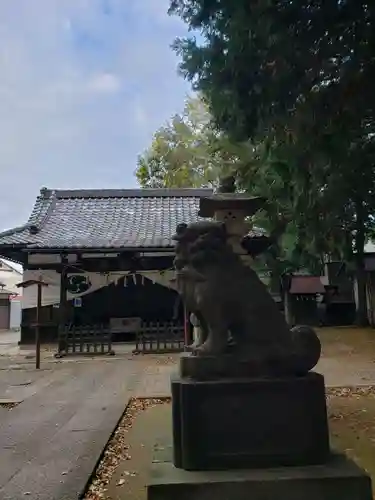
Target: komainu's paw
[211,348]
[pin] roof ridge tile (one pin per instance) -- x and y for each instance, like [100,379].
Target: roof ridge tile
[134,193]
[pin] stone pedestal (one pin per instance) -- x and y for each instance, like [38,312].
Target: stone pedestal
[248,438]
[238,423]
[239,437]
[337,479]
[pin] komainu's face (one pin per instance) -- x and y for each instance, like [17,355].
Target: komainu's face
[188,234]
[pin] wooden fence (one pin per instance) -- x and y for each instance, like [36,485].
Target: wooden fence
[85,339]
[160,337]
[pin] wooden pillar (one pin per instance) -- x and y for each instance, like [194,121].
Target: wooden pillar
[370,297]
[39,283]
[37,326]
[62,304]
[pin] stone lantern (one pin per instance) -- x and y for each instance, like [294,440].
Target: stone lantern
[233,209]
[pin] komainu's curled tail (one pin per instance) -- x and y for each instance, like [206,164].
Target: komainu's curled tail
[306,348]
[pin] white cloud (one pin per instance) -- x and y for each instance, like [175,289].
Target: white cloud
[83,86]
[140,114]
[67,24]
[104,82]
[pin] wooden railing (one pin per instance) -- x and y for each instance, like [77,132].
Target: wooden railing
[160,337]
[85,339]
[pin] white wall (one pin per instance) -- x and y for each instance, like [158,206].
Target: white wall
[15,314]
[10,276]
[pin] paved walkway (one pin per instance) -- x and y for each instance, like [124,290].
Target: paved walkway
[50,443]
[9,337]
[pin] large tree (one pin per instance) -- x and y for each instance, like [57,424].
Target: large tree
[188,151]
[300,74]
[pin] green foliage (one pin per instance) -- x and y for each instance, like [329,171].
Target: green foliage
[260,60]
[187,151]
[299,77]
[299,74]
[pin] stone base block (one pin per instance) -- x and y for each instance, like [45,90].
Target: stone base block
[338,479]
[239,423]
[214,367]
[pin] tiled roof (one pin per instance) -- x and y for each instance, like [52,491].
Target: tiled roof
[138,218]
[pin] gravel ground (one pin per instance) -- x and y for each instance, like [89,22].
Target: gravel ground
[352,424]
[122,473]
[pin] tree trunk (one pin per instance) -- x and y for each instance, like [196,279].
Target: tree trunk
[361,313]
[289,317]
[285,281]
[361,295]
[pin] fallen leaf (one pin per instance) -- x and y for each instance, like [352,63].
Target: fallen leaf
[117,449]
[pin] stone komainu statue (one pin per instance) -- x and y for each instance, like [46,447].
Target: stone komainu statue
[230,300]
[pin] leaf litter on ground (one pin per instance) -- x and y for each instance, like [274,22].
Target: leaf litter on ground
[117,450]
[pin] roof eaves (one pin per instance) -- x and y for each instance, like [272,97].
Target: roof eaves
[42,207]
[37,217]
[12,258]
[132,193]
[9,263]
[15,230]
[35,228]
[34,248]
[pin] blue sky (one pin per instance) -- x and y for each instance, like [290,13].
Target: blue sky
[84,84]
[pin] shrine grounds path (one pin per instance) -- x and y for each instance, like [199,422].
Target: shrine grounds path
[52,440]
